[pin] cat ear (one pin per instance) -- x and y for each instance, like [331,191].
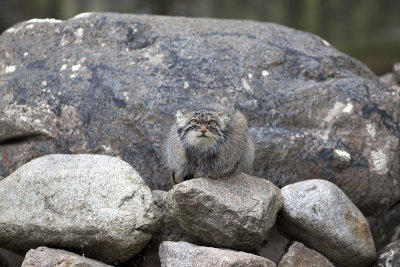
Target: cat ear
[224,118]
[181,117]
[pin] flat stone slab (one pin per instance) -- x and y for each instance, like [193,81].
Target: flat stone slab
[183,254]
[49,257]
[98,205]
[235,212]
[317,213]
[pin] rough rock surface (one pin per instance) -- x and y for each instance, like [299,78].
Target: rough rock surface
[183,254]
[385,226]
[111,83]
[169,231]
[317,213]
[235,212]
[94,204]
[275,246]
[299,255]
[389,256]
[49,257]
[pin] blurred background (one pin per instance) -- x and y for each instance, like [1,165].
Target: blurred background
[368,30]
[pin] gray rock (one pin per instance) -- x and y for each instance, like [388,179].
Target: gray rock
[299,255]
[389,256]
[235,212]
[169,231]
[111,84]
[183,254]
[385,226]
[275,246]
[49,257]
[317,213]
[97,205]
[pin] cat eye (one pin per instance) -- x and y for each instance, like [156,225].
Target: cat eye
[212,122]
[193,121]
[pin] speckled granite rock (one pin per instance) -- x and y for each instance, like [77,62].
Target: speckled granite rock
[317,213]
[235,212]
[48,257]
[183,254]
[95,204]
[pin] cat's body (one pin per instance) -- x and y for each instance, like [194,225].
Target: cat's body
[208,143]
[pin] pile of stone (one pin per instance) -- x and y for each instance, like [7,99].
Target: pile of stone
[239,211]
[99,206]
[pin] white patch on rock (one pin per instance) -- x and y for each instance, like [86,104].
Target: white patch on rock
[379,161]
[343,154]
[47,20]
[265,73]
[126,95]
[72,76]
[156,59]
[76,67]
[185,85]
[26,54]
[250,75]
[63,67]
[337,108]
[83,15]
[11,30]
[348,108]
[246,86]
[23,118]
[325,43]
[44,83]
[30,26]
[10,69]
[107,148]
[78,33]
[371,130]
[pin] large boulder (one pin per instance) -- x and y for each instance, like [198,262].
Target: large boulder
[317,213]
[183,254]
[235,212]
[94,204]
[111,83]
[49,257]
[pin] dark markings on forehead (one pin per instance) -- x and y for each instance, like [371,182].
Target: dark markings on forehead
[203,114]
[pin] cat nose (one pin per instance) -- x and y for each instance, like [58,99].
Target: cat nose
[203,130]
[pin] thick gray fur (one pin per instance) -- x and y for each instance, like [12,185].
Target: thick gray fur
[234,154]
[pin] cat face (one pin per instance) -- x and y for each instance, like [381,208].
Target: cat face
[202,129]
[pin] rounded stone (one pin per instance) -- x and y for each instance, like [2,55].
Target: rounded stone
[235,212]
[317,213]
[97,205]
